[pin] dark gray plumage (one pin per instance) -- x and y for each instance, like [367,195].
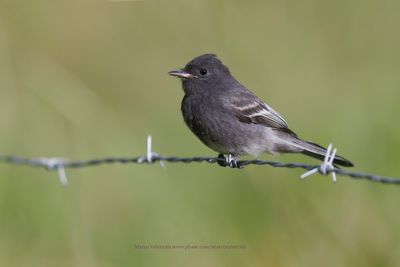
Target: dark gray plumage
[230,119]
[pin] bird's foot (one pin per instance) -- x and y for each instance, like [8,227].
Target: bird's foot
[230,161]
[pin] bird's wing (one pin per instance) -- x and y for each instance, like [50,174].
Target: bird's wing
[248,108]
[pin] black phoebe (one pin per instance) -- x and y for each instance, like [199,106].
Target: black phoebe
[230,119]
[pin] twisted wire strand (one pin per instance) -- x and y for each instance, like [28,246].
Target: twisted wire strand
[57,163]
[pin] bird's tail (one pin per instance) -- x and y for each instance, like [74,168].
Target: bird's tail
[316,151]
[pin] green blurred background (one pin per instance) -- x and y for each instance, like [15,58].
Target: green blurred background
[85,79]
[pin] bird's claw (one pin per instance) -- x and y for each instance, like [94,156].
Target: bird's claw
[230,161]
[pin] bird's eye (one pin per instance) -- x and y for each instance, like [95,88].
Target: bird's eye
[203,72]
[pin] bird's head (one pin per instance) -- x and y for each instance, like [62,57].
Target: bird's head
[203,70]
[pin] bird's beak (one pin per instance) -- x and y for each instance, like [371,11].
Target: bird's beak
[182,74]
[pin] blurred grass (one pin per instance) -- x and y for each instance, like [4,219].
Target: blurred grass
[83,79]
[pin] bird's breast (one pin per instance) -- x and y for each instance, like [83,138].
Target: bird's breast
[212,124]
[197,115]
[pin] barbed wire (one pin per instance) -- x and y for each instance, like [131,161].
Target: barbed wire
[325,168]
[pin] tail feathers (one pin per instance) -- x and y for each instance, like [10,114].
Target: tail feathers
[316,151]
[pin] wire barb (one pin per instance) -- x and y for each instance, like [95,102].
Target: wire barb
[56,164]
[326,166]
[150,155]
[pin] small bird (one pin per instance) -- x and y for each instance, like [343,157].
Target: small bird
[230,119]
